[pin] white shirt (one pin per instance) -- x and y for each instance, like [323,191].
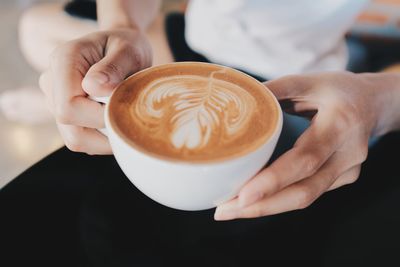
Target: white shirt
[272,38]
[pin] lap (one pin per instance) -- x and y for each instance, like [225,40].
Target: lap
[83,208]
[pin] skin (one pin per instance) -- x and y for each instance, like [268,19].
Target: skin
[346,109]
[93,65]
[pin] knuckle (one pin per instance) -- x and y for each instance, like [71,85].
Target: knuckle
[272,183]
[343,122]
[76,47]
[352,179]
[113,68]
[347,115]
[74,147]
[311,163]
[64,113]
[73,141]
[137,58]
[304,197]
[340,127]
[136,55]
[353,176]
[66,52]
[125,45]
[362,154]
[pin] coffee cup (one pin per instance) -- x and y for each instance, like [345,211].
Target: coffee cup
[189,135]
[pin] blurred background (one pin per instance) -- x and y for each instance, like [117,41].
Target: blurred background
[21,144]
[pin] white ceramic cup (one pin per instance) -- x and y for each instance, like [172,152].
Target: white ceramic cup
[188,185]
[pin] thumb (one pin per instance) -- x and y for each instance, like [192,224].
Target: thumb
[117,64]
[289,86]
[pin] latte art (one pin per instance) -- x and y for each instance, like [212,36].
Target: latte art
[196,109]
[193,112]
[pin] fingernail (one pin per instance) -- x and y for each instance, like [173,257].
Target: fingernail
[245,201]
[99,77]
[225,215]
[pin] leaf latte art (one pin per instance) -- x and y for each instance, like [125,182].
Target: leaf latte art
[193,112]
[195,109]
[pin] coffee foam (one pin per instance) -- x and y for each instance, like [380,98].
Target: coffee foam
[193,111]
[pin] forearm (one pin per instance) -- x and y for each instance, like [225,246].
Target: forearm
[137,14]
[387,95]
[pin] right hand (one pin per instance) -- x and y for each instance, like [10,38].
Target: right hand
[345,110]
[93,65]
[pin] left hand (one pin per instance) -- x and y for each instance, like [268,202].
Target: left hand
[345,110]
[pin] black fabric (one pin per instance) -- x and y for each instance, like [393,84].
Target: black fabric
[175,30]
[77,210]
[85,9]
[377,53]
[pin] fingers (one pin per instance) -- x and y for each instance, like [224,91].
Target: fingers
[295,95]
[65,96]
[348,177]
[121,60]
[289,86]
[310,152]
[79,139]
[296,196]
[326,156]
[105,58]
[82,112]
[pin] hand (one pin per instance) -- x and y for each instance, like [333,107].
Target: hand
[345,110]
[92,65]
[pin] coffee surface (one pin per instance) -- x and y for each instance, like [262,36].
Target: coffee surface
[193,112]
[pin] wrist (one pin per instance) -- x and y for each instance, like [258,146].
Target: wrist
[119,24]
[115,15]
[386,94]
[132,14]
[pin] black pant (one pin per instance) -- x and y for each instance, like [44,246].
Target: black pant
[71,209]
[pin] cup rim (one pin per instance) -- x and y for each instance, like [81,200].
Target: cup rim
[276,131]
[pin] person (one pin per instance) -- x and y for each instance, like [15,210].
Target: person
[39,34]
[346,108]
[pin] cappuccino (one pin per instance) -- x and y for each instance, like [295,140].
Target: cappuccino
[193,112]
